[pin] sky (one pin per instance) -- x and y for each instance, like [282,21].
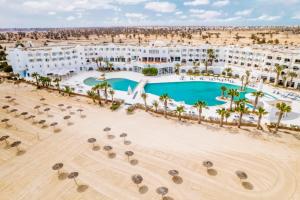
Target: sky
[95,13]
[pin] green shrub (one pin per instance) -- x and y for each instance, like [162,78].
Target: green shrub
[130,109]
[150,71]
[115,106]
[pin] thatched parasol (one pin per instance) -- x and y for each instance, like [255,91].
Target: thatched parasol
[241,174]
[67,117]
[24,113]
[162,191]
[57,167]
[4,138]
[129,154]
[16,144]
[106,129]
[73,175]
[13,110]
[123,135]
[42,121]
[107,148]
[53,124]
[137,179]
[173,172]
[5,120]
[207,164]
[5,107]
[92,141]
[42,99]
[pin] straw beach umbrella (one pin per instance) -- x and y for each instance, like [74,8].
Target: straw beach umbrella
[162,191]
[13,110]
[67,117]
[241,175]
[173,172]
[37,107]
[57,167]
[208,164]
[4,138]
[24,114]
[137,179]
[47,110]
[73,175]
[92,141]
[16,144]
[129,154]
[123,135]
[53,124]
[5,107]
[5,120]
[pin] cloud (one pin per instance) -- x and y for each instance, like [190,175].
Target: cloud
[51,13]
[205,14]
[135,15]
[296,16]
[268,17]
[164,7]
[70,18]
[244,12]
[196,2]
[130,2]
[221,3]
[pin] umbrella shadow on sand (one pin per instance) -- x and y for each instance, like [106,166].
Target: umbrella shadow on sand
[82,188]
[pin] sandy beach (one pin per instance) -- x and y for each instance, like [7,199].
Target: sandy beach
[271,162]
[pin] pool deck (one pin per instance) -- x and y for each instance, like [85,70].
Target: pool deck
[77,82]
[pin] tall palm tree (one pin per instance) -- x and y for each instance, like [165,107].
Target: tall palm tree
[260,112]
[57,81]
[210,56]
[292,75]
[232,93]
[105,86]
[92,95]
[223,90]
[177,68]
[200,105]
[247,74]
[36,76]
[283,108]
[242,79]
[179,110]
[227,70]
[144,97]
[97,88]
[68,90]
[155,103]
[257,95]
[241,109]
[112,93]
[278,70]
[110,66]
[165,99]
[223,113]
[196,65]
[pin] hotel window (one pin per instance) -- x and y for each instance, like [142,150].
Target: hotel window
[287,60]
[269,57]
[278,58]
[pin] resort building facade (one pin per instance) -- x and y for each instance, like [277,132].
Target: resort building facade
[64,60]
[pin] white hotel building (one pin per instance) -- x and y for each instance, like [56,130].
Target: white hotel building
[64,60]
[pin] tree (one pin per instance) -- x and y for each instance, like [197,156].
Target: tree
[57,81]
[260,112]
[92,95]
[165,99]
[232,93]
[223,113]
[105,86]
[155,104]
[278,70]
[200,105]
[283,108]
[144,97]
[179,110]
[177,68]
[292,75]
[223,90]
[37,79]
[242,79]
[247,76]
[257,95]
[241,109]
[227,70]
[112,93]
[68,90]
[110,65]
[97,88]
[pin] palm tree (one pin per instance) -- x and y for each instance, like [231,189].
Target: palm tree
[247,73]
[144,96]
[283,108]
[155,103]
[257,95]
[241,109]
[97,88]
[227,70]
[223,113]
[211,56]
[223,89]
[36,76]
[177,68]
[92,95]
[260,112]
[292,75]
[179,110]
[110,65]
[232,93]
[68,90]
[165,98]
[57,81]
[278,70]
[196,65]
[112,93]
[242,79]
[105,86]
[200,105]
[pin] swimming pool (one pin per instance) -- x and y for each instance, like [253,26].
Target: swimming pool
[116,83]
[191,92]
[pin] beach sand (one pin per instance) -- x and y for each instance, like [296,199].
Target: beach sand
[272,163]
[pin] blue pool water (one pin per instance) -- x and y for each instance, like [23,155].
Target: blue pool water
[116,83]
[191,92]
